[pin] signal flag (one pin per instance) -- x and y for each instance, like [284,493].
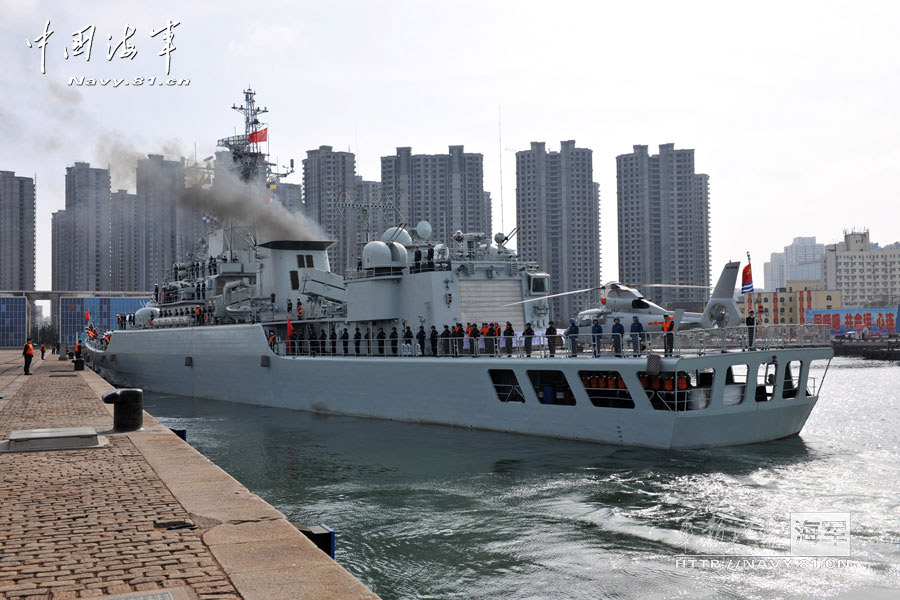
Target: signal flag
[259,136]
[747,281]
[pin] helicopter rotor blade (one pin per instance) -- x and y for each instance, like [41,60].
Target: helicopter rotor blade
[554,296]
[670,285]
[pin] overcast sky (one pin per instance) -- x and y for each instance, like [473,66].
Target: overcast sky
[792,108]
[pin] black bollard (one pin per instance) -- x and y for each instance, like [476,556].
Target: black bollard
[128,412]
[79,364]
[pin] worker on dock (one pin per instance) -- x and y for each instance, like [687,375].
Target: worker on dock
[28,354]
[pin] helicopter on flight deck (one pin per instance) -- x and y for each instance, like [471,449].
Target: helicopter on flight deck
[620,301]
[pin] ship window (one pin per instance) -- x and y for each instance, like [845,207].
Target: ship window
[539,285]
[551,387]
[309,261]
[295,280]
[506,385]
[677,392]
[765,381]
[606,389]
[791,379]
[301,261]
[735,383]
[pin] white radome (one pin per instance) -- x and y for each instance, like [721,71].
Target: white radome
[397,234]
[376,255]
[423,230]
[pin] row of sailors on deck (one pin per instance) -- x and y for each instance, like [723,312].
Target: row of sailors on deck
[452,342]
[199,314]
[171,293]
[457,340]
[202,268]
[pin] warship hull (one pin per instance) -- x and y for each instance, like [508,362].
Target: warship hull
[235,363]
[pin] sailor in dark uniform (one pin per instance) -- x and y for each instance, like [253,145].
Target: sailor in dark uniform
[417,259]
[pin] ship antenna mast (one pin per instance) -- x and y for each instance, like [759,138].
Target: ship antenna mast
[251,114]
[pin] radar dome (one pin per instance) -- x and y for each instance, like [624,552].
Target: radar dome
[397,234]
[499,238]
[423,230]
[376,255]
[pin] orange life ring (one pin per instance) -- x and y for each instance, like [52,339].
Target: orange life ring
[300,311]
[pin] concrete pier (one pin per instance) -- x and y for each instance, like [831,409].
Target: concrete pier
[144,516]
[871,349]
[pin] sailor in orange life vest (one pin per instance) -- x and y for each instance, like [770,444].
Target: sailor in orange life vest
[28,353]
[669,336]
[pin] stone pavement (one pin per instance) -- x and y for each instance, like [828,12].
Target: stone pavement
[103,522]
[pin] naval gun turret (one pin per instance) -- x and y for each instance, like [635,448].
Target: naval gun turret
[467,281]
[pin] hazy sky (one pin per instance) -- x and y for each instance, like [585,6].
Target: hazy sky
[792,108]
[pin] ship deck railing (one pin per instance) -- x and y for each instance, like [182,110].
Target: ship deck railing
[412,268]
[693,343]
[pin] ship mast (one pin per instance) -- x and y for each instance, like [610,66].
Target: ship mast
[248,158]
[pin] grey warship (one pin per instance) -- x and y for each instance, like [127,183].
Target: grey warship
[260,318]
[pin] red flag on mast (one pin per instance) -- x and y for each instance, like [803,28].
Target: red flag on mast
[290,328]
[87,316]
[747,281]
[259,136]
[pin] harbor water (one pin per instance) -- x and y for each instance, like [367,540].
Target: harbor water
[425,511]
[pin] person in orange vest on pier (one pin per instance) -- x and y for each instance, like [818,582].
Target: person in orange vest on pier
[43,350]
[28,353]
[78,349]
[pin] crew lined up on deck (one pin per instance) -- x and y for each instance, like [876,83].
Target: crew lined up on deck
[491,339]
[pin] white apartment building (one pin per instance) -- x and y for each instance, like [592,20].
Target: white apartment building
[866,274]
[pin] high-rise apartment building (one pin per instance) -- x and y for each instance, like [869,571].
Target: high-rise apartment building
[558,216]
[866,274]
[124,242]
[17,201]
[800,261]
[773,272]
[160,183]
[88,214]
[290,195]
[61,251]
[329,182]
[374,215]
[663,224]
[447,190]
